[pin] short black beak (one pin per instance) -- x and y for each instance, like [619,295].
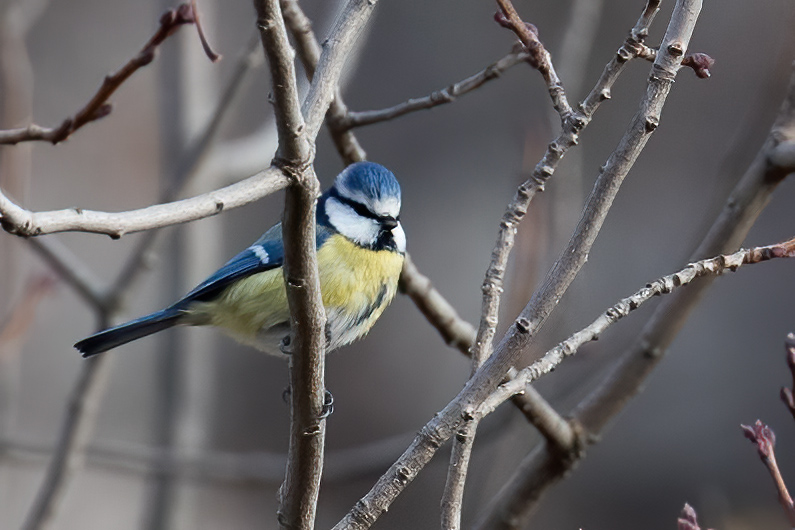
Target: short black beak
[389,223]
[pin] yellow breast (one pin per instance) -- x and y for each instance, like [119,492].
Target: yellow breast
[356,284]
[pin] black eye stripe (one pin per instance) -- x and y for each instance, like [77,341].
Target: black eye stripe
[360,208]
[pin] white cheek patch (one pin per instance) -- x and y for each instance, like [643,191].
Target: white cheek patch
[260,253]
[400,238]
[350,224]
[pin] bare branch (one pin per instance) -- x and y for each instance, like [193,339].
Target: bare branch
[444,424]
[765,440]
[665,285]
[309,52]
[98,107]
[539,56]
[701,63]
[439,97]
[787,393]
[22,222]
[576,122]
[453,497]
[541,469]
[307,346]
[560,434]
[336,49]
[214,57]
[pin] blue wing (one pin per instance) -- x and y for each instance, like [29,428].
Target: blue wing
[265,254]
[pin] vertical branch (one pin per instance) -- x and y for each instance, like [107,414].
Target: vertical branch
[300,489]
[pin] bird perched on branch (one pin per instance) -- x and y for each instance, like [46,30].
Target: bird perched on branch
[360,250]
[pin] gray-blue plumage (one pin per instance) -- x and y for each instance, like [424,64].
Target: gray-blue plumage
[371,195]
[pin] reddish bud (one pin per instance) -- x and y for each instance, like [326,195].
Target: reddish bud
[185,14]
[688,520]
[103,110]
[505,22]
[502,20]
[700,63]
[763,436]
[167,18]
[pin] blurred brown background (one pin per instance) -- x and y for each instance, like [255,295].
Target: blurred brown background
[458,165]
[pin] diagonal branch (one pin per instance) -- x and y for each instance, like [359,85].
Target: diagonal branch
[539,56]
[488,377]
[98,107]
[309,53]
[495,274]
[765,440]
[336,49]
[708,267]
[541,469]
[438,97]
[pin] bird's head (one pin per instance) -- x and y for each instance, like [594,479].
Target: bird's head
[364,206]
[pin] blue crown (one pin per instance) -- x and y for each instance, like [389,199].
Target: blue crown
[368,179]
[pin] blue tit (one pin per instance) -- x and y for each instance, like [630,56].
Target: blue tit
[360,250]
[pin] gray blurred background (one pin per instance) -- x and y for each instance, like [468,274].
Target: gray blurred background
[458,165]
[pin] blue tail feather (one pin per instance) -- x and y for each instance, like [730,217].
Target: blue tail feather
[127,332]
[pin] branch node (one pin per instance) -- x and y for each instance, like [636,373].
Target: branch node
[676,49]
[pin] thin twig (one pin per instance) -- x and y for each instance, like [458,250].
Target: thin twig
[309,51]
[765,440]
[539,56]
[537,411]
[89,388]
[688,520]
[576,122]
[560,434]
[444,424]
[337,48]
[98,107]
[208,50]
[665,285]
[541,469]
[438,97]
[452,501]
[787,393]
[189,165]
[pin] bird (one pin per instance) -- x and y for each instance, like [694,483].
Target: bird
[361,246]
